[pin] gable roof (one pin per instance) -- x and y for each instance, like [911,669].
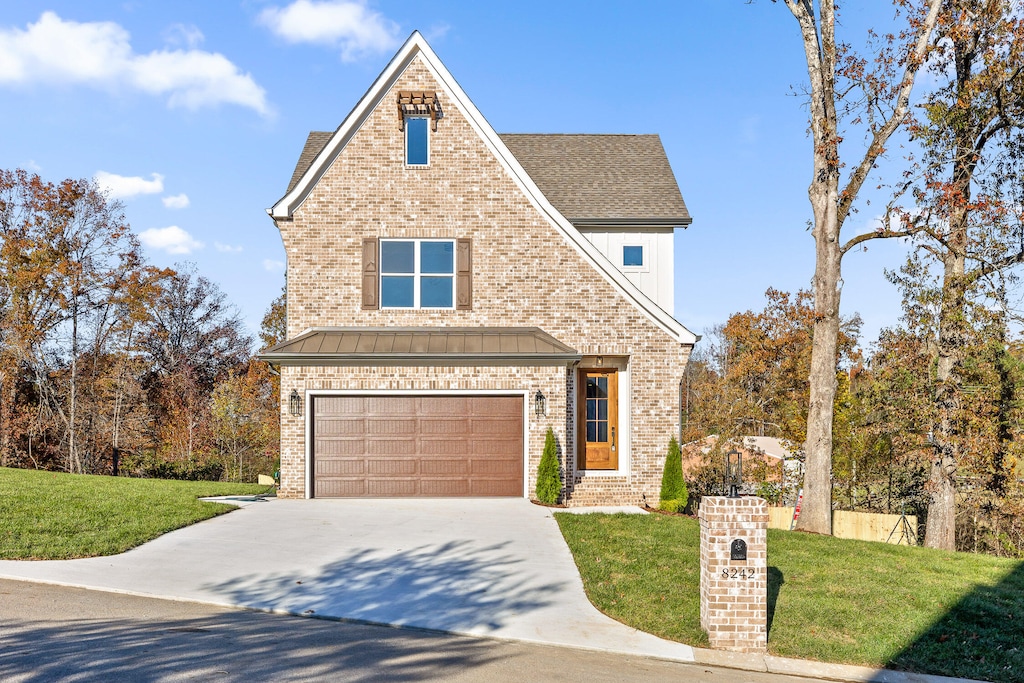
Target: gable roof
[416,46]
[598,180]
[422,346]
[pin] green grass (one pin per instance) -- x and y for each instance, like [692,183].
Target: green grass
[833,600]
[52,516]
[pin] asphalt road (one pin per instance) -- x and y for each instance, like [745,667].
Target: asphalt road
[51,633]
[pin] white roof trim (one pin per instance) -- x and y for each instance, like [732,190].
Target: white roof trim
[415,46]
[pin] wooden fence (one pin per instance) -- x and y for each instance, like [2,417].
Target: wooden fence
[865,526]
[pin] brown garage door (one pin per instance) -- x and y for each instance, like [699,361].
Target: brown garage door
[389,446]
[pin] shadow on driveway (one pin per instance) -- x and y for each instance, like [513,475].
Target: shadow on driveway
[456,586]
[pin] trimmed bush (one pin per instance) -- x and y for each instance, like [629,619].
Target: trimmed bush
[549,481]
[673,487]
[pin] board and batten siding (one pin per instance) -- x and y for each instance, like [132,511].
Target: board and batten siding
[656,277]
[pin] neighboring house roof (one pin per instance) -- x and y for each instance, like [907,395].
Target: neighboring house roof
[765,446]
[421,345]
[770,446]
[315,141]
[595,180]
[415,46]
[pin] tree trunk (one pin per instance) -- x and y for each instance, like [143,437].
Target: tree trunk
[74,462]
[816,512]
[940,530]
[7,397]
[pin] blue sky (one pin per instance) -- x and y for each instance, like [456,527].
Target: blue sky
[194,112]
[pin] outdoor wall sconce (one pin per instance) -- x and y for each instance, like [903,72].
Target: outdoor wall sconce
[734,472]
[295,404]
[540,404]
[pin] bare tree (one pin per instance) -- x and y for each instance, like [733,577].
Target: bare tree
[845,90]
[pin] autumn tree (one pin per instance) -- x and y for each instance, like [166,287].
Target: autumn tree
[274,327]
[966,211]
[245,407]
[71,273]
[901,398]
[751,376]
[192,339]
[29,306]
[245,421]
[847,93]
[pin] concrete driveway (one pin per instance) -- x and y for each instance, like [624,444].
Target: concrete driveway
[496,567]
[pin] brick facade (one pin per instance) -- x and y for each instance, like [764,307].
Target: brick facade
[734,593]
[525,274]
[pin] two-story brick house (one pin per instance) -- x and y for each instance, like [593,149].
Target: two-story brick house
[452,293]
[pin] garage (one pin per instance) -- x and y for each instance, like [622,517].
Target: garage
[416,445]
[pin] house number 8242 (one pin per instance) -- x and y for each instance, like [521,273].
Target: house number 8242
[734,573]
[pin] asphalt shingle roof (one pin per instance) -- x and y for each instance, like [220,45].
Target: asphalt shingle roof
[590,179]
[315,142]
[602,178]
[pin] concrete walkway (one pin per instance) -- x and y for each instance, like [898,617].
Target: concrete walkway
[497,568]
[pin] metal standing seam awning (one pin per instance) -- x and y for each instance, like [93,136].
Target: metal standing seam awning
[446,346]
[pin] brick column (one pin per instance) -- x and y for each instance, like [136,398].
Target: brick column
[734,593]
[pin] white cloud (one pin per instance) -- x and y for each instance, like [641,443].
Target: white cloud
[273,266]
[344,24]
[182,34]
[438,31]
[176,201]
[99,54]
[226,248]
[171,239]
[122,187]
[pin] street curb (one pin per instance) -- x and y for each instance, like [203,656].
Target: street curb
[808,668]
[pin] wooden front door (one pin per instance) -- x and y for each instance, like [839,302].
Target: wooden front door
[599,419]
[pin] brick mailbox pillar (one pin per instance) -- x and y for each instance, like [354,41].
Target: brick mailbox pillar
[734,573]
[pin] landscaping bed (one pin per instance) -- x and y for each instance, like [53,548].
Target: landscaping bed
[55,516]
[833,600]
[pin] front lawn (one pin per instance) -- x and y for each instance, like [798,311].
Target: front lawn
[833,600]
[54,516]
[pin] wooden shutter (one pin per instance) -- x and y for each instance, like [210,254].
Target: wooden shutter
[464,274]
[371,275]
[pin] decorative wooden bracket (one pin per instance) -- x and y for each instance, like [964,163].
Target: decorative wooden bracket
[419,104]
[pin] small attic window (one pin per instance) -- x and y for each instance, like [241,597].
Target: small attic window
[414,110]
[417,145]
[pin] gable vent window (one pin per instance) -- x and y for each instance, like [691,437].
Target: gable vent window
[418,115]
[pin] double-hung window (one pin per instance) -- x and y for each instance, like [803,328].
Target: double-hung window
[417,273]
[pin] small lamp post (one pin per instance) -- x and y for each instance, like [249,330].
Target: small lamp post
[540,404]
[295,404]
[734,472]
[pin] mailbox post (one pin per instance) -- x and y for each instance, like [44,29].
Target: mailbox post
[734,572]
